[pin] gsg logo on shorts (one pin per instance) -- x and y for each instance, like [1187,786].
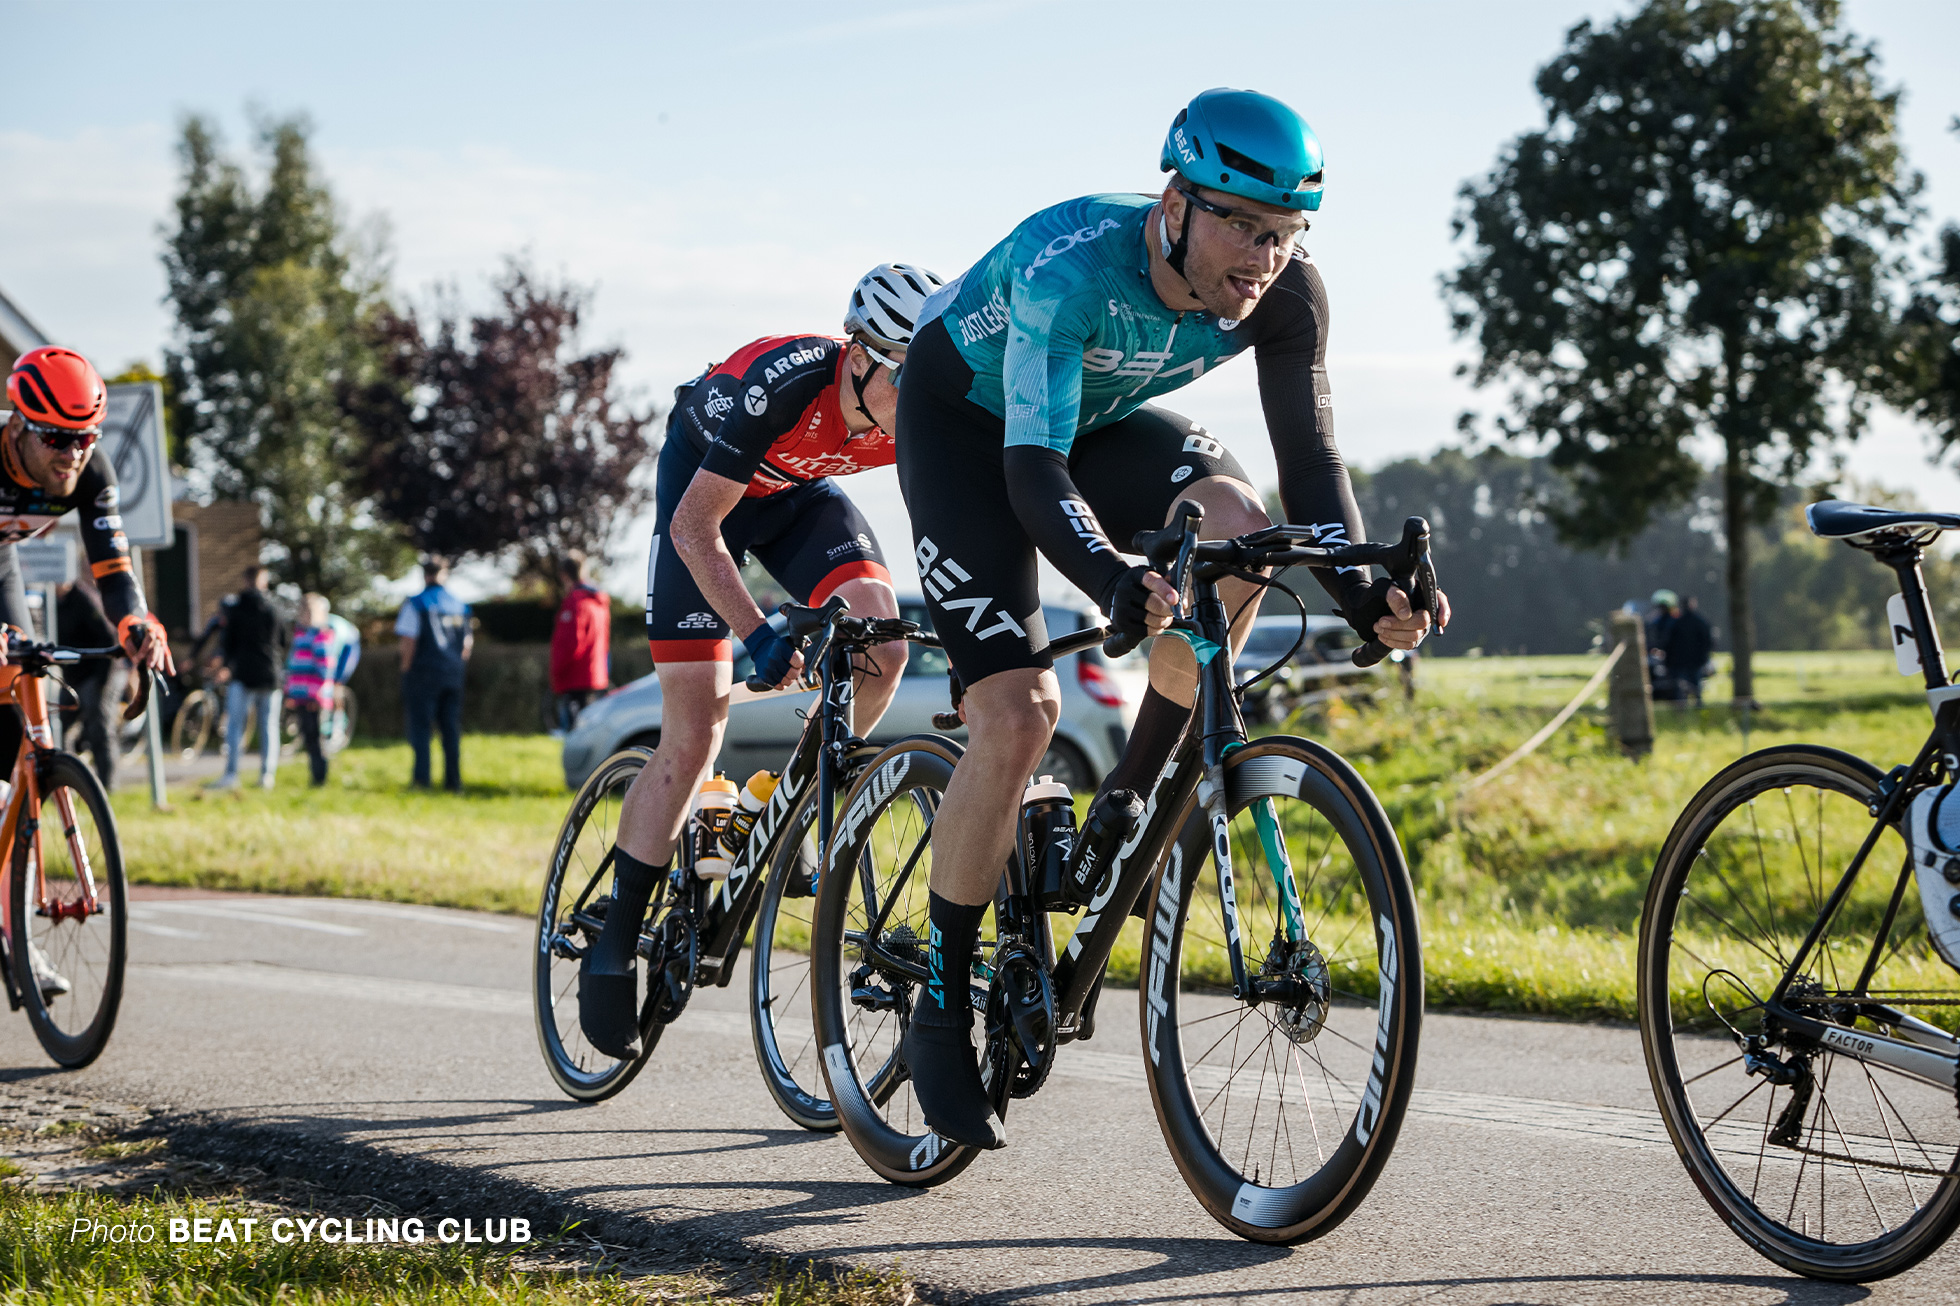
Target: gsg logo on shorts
[698,621]
[756,401]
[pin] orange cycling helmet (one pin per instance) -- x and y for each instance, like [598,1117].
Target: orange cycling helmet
[58,387]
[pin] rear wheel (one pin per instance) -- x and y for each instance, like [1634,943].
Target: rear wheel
[195,725]
[869,960]
[61,928]
[1281,1113]
[1829,1164]
[577,890]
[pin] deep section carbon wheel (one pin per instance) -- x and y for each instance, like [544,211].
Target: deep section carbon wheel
[1281,1111]
[56,932]
[577,888]
[1830,1164]
[869,960]
[779,976]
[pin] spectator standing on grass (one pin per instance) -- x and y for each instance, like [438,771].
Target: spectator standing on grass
[581,643]
[1660,620]
[435,633]
[1690,641]
[97,685]
[252,642]
[309,680]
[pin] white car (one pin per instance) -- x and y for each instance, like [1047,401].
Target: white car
[1099,704]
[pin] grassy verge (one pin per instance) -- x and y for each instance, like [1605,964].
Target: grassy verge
[87,1216]
[1530,886]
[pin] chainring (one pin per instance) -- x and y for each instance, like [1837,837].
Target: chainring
[671,960]
[1021,1021]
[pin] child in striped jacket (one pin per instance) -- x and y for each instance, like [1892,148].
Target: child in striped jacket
[309,679]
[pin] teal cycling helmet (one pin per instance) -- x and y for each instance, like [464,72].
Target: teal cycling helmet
[1246,144]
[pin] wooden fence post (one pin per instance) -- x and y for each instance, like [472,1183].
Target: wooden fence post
[1630,699]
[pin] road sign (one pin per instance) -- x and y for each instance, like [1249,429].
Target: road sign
[132,436]
[47,561]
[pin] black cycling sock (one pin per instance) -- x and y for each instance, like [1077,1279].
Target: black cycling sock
[955,933]
[608,988]
[1160,724]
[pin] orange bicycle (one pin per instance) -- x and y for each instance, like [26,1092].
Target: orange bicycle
[64,935]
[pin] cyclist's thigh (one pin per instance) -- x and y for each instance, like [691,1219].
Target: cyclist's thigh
[816,541]
[681,626]
[976,564]
[1133,471]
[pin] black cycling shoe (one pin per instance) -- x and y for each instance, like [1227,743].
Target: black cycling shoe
[609,984]
[946,1076]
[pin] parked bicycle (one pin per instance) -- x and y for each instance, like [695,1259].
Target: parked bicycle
[65,934]
[1281,973]
[1798,993]
[198,726]
[695,928]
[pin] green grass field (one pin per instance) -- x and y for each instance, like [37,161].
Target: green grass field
[1530,886]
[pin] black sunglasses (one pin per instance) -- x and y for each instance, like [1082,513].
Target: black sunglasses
[61,438]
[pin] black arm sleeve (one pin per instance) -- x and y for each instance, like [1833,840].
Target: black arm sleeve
[99,503]
[1291,353]
[1059,521]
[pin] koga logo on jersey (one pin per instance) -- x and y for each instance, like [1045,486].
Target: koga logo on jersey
[948,576]
[718,404]
[698,621]
[882,784]
[988,320]
[794,358]
[1067,241]
[756,401]
[1370,1113]
[1087,528]
[1169,894]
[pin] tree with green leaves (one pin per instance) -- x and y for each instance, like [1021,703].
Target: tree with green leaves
[1697,250]
[273,300]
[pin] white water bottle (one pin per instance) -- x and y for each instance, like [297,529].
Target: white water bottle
[713,805]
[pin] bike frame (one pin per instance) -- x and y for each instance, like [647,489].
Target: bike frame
[22,688]
[1926,1052]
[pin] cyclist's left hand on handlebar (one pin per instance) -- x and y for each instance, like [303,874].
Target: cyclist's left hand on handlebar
[148,649]
[1141,604]
[776,659]
[1404,627]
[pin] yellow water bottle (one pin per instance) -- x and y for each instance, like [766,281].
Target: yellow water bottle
[755,796]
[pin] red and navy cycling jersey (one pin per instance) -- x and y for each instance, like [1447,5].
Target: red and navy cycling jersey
[771,415]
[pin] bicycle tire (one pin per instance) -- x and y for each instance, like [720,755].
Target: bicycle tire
[1691,905]
[1372,1046]
[863,1065]
[779,983]
[92,952]
[578,862]
[190,731]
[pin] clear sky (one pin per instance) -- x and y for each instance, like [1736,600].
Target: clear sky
[722,172]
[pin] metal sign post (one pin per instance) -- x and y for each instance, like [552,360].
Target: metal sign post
[132,432]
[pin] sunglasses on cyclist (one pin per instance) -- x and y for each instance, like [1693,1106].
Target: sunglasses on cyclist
[1242,227]
[61,438]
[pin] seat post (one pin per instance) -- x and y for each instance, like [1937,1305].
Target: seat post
[1904,561]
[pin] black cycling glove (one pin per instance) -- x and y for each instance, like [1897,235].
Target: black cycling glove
[1366,603]
[770,650]
[1126,603]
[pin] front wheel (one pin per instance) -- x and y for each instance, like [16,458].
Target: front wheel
[577,890]
[1827,1163]
[193,728]
[779,974]
[1281,1111]
[68,905]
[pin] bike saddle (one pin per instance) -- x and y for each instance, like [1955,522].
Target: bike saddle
[1834,519]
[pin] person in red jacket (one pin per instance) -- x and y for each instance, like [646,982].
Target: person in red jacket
[581,642]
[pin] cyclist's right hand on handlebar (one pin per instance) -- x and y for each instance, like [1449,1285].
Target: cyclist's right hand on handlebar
[1140,604]
[775,657]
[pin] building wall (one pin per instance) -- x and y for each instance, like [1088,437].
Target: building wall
[224,539]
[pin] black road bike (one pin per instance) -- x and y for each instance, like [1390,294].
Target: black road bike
[1795,1016]
[695,929]
[1280,966]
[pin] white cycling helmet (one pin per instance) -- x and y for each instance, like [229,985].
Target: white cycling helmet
[885,306]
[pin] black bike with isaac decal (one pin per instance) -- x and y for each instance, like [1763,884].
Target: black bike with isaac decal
[695,926]
[1798,988]
[1281,971]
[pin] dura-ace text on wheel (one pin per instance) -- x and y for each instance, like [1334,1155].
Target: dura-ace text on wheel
[1282,1111]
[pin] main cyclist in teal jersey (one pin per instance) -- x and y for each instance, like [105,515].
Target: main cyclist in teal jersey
[1024,424]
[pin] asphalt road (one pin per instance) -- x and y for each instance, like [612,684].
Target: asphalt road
[1532,1167]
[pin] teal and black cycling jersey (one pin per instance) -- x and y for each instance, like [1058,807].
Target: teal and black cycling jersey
[1065,333]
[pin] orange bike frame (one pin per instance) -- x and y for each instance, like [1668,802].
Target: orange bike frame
[24,691]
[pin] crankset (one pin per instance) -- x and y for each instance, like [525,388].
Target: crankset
[1020,1021]
[672,950]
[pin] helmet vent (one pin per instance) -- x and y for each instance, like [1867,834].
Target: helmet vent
[1231,158]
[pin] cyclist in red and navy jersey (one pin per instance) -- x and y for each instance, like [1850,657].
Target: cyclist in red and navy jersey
[753,445]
